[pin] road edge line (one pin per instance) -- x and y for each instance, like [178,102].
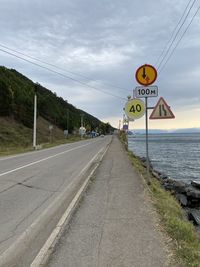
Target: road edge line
[45,252]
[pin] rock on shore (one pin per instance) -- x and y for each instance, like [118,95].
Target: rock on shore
[188,195]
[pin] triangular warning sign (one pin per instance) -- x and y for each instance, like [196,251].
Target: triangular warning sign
[161,111]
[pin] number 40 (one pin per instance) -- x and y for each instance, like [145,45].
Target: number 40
[135,108]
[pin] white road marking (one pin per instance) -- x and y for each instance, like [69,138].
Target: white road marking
[34,152]
[38,161]
[19,246]
[44,253]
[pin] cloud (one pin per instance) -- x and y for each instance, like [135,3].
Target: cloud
[105,41]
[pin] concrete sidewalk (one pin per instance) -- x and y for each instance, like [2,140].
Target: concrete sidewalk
[114,225]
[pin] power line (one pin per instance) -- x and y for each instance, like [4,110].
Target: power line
[63,75]
[175,37]
[53,65]
[165,47]
[180,39]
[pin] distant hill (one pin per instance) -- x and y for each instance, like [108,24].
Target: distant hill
[159,131]
[187,130]
[16,113]
[151,131]
[16,101]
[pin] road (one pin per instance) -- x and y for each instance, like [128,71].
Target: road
[33,188]
[115,224]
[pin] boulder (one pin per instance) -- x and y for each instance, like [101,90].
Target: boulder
[175,186]
[182,199]
[180,187]
[156,175]
[193,192]
[196,183]
[194,215]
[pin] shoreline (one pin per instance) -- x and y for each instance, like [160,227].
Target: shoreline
[185,191]
[188,195]
[175,156]
[184,236]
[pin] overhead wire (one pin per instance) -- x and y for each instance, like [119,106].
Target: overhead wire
[57,67]
[63,75]
[172,35]
[170,55]
[175,36]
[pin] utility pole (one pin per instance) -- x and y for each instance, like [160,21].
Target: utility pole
[119,124]
[68,120]
[82,125]
[35,118]
[82,120]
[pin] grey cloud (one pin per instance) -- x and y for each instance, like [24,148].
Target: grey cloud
[105,40]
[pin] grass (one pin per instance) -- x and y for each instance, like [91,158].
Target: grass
[16,138]
[10,150]
[172,216]
[185,239]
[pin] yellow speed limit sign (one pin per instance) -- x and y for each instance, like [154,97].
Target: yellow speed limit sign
[134,108]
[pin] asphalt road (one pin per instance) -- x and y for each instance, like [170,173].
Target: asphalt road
[115,224]
[31,182]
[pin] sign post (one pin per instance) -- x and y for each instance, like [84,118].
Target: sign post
[146,75]
[134,109]
[147,139]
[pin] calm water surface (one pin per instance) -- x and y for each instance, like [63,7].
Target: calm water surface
[176,155]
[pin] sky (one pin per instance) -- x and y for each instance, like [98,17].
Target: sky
[97,46]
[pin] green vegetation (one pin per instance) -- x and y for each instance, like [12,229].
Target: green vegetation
[16,100]
[16,138]
[16,114]
[123,139]
[186,241]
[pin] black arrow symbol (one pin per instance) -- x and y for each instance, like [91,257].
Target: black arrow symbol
[144,73]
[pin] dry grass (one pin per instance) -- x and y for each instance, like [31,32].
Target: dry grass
[16,138]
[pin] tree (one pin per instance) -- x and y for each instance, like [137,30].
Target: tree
[108,127]
[102,128]
[6,97]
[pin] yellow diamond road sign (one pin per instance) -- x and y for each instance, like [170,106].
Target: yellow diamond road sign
[134,108]
[161,111]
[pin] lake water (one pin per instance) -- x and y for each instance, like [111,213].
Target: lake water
[175,155]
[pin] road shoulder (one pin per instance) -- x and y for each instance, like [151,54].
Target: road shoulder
[115,223]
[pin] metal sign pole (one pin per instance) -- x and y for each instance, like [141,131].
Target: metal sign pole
[146,75]
[147,144]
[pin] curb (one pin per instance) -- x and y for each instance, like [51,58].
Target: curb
[27,241]
[43,256]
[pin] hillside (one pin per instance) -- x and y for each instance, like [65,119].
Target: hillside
[14,135]
[16,111]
